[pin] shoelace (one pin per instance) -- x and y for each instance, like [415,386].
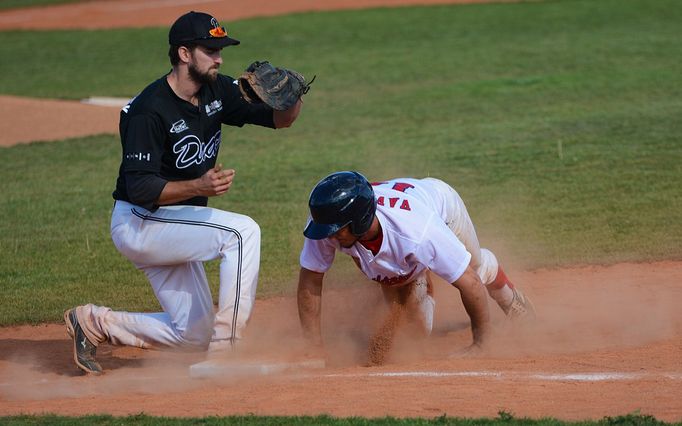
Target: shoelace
[518,306]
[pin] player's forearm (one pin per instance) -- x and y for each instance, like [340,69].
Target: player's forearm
[477,308]
[287,117]
[178,191]
[309,298]
[474,299]
[214,182]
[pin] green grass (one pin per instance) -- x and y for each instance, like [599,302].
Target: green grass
[12,4]
[502,419]
[558,122]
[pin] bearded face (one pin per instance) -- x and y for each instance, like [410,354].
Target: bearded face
[204,64]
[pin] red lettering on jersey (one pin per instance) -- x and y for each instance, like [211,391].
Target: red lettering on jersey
[395,281]
[401,186]
[393,201]
[377,183]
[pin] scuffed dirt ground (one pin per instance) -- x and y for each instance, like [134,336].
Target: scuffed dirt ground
[608,342]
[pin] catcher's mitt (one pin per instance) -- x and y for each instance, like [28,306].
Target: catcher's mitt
[280,88]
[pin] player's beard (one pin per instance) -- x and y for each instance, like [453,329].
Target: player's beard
[197,76]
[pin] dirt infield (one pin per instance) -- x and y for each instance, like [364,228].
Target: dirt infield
[134,13]
[27,120]
[608,341]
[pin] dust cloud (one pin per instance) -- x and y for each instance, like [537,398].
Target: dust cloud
[580,311]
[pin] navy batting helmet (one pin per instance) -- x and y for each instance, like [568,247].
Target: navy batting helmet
[340,199]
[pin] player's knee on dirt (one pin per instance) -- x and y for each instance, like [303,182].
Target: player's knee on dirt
[197,330]
[197,337]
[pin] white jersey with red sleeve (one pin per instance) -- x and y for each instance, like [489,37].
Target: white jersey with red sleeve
[415,237]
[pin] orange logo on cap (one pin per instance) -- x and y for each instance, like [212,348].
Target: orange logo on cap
[217,30]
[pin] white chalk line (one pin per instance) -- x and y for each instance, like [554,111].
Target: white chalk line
[558,377]
[106,101]
[497,375]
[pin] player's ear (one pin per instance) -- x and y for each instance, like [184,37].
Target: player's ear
[185,53]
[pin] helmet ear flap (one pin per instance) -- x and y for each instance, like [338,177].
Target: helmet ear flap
[362,225]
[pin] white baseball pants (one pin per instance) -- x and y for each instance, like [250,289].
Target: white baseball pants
[170,246]
[482,260]
[458,220]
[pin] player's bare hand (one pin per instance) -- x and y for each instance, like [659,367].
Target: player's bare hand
[314,352]
[216,181]
[472,351]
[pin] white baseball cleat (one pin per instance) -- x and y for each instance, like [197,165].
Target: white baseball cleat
[520,308]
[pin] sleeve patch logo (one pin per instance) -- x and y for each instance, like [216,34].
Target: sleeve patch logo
[213,107]
[179,126]
[140,156]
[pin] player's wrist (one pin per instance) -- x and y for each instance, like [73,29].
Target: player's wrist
[481,334]
[195,188]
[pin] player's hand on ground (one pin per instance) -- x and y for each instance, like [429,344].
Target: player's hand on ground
[216,181]
[313,351]
[472,351]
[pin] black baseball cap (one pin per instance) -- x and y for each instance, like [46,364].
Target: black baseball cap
[199,28]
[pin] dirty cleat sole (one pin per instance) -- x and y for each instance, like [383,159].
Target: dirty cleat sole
[521,308]
[83,350]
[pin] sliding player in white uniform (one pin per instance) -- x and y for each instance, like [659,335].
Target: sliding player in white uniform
[395,231]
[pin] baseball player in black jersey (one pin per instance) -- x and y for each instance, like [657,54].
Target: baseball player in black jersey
[171,134]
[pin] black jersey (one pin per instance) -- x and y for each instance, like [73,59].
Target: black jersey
[166,138]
